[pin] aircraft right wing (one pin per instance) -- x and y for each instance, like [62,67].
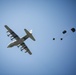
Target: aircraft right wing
[25,47]
[14,35]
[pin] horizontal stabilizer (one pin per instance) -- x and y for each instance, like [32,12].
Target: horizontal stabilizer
[29,33]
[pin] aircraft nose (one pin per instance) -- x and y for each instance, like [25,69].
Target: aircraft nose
[9,46]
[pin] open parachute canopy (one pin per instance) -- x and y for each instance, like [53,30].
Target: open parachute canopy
[73,29]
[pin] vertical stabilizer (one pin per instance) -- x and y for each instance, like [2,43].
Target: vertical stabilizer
[29,34]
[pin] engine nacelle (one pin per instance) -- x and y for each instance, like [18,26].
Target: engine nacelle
[26,51]
[12,38]
[21,49]
[7,31]
[8,35]
[18,46]
[25,47]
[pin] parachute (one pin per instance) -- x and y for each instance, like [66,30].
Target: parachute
[73,29]
[53,38]
[61,38]
[64,32]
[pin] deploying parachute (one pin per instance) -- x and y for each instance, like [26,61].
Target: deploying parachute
[64,32]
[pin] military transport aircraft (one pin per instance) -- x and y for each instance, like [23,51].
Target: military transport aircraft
[19,41]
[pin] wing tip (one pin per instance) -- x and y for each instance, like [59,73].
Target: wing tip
[5,26]
[31,54]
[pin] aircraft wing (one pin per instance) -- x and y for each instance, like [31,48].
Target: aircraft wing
[14,35]
[26,48]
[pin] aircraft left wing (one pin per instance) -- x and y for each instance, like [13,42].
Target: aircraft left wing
[14,35]
[26,48]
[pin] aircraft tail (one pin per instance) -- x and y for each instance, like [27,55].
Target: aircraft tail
[29,34]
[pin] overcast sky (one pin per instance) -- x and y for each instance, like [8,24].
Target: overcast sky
[47,19]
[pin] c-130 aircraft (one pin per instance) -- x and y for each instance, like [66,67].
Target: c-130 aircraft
[19,41]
